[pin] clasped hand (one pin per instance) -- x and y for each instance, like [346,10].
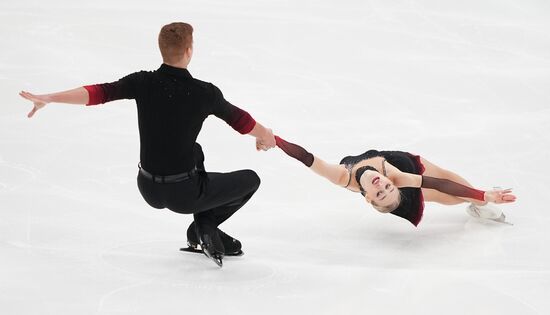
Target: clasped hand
[266,142]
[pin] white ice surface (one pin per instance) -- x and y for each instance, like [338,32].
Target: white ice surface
[463,83]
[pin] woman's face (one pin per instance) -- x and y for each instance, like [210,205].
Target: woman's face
[379,189]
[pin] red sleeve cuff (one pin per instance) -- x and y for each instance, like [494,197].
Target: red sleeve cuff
[95,94]
[244,123]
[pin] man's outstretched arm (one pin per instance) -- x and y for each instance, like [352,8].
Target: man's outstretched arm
[78,96]
[124,88]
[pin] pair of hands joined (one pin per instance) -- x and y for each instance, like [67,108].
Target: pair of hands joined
[266,141]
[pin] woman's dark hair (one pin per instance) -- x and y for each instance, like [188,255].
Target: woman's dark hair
[351,159]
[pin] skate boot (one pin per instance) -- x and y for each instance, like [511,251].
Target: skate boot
[212,247]
[487,212]
[210,243]
[232,246]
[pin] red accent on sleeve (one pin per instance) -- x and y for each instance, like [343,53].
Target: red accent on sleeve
[452,188]
[96,95]
[295,151]
[244,123]
[278,141]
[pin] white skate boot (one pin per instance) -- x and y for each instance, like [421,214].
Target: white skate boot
[487,212]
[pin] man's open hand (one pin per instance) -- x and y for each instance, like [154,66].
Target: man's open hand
[39,101]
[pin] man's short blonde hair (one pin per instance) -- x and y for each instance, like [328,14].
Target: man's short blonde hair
[174,39]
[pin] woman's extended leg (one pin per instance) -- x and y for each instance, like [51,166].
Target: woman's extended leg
[439,197]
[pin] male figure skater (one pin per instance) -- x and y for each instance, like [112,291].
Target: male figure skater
[172,107]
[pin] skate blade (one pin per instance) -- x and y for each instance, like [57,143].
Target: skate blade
[502,219]
[216,258]
[191,250]
[196,248]
[218,261]
[199,251]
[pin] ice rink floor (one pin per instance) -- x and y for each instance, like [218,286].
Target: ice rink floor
[463,83]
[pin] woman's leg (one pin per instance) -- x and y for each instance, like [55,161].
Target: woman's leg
[438,172]
[439,197]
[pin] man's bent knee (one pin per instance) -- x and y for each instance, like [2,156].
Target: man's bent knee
[251,178]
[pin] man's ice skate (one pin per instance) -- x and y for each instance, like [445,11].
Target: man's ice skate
[210,242]
[212,248]
[231,245]
[487,212]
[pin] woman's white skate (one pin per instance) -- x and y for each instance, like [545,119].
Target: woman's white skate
[487,212]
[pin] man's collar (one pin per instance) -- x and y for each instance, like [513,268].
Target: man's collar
[179,72]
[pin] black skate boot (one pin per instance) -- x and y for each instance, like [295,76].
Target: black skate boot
[210,242]
[232,246]
[212,247]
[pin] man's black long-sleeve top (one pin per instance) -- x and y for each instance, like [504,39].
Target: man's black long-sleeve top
[172,107]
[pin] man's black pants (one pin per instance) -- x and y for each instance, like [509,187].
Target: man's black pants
[211,197]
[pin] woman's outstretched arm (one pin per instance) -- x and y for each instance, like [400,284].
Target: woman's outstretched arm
[453,188]
[337,174]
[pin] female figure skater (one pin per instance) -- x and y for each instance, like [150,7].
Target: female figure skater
[399,182]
